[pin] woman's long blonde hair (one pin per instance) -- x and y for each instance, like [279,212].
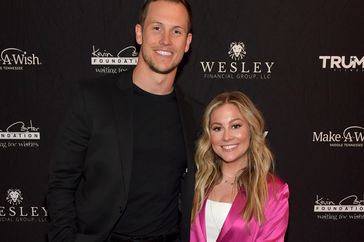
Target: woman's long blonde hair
[253,178]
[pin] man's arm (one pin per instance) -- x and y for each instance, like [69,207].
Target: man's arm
[66,169]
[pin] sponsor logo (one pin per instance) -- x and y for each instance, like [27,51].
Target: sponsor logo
[343,63]
[21,213]
[237,51]
[20,134]
[15,59]
[347,208]
[352,136]
[348,204]
[106,62]
[235,67]
[14,196]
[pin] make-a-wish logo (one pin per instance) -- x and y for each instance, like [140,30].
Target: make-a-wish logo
[107,61]
[21,213]
[342,63]
[352,136]
[20,131]
[348,204]
[236,68]
[16,59]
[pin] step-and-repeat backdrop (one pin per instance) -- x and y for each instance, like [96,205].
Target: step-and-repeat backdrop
[301,62]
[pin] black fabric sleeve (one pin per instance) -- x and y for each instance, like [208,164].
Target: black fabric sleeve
[66,169]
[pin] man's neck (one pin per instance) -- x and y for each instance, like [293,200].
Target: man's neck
[152,82]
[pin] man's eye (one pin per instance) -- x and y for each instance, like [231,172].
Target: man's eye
[177,32]
[156,28]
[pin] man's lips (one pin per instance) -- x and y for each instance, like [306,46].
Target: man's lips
[164,52]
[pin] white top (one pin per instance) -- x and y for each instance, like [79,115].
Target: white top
[215,215]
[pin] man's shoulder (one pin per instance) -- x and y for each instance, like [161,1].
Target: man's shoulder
[106,83]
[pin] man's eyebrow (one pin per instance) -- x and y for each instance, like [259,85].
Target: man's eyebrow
[175,26]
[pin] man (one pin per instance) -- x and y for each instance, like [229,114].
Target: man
[123,166]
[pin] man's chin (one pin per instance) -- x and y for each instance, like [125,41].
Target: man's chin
[164,71]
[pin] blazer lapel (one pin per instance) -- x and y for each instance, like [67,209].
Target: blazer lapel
[188,127]
[123,109]
[234,216]
[202,219]
[188,181]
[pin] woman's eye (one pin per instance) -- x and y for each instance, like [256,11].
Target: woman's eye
[216,129]
[236,126]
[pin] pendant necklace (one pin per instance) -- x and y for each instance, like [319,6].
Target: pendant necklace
[226,180]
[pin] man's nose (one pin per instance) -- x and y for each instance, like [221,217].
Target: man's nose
[165,38]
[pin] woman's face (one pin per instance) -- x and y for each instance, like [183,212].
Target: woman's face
[230,134]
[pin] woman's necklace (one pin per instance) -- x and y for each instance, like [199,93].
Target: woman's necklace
[231,180]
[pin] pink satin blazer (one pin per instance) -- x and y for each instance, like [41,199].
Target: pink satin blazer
[236,229]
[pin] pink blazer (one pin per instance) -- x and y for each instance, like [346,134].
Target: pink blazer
[236,229]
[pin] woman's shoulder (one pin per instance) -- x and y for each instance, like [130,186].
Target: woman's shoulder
[277,186]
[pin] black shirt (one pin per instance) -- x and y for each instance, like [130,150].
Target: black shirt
[159,161]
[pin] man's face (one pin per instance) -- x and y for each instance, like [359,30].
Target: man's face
[164,36]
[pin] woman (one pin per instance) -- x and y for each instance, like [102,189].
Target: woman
[237,197]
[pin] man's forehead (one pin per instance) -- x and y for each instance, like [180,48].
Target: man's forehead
[167,13]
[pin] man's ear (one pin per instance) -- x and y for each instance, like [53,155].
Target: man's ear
[188,42]
[138,34]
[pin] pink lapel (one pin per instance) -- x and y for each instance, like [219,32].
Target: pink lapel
[202,220]
[234,217]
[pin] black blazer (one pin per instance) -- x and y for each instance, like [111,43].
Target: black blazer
[91,169]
